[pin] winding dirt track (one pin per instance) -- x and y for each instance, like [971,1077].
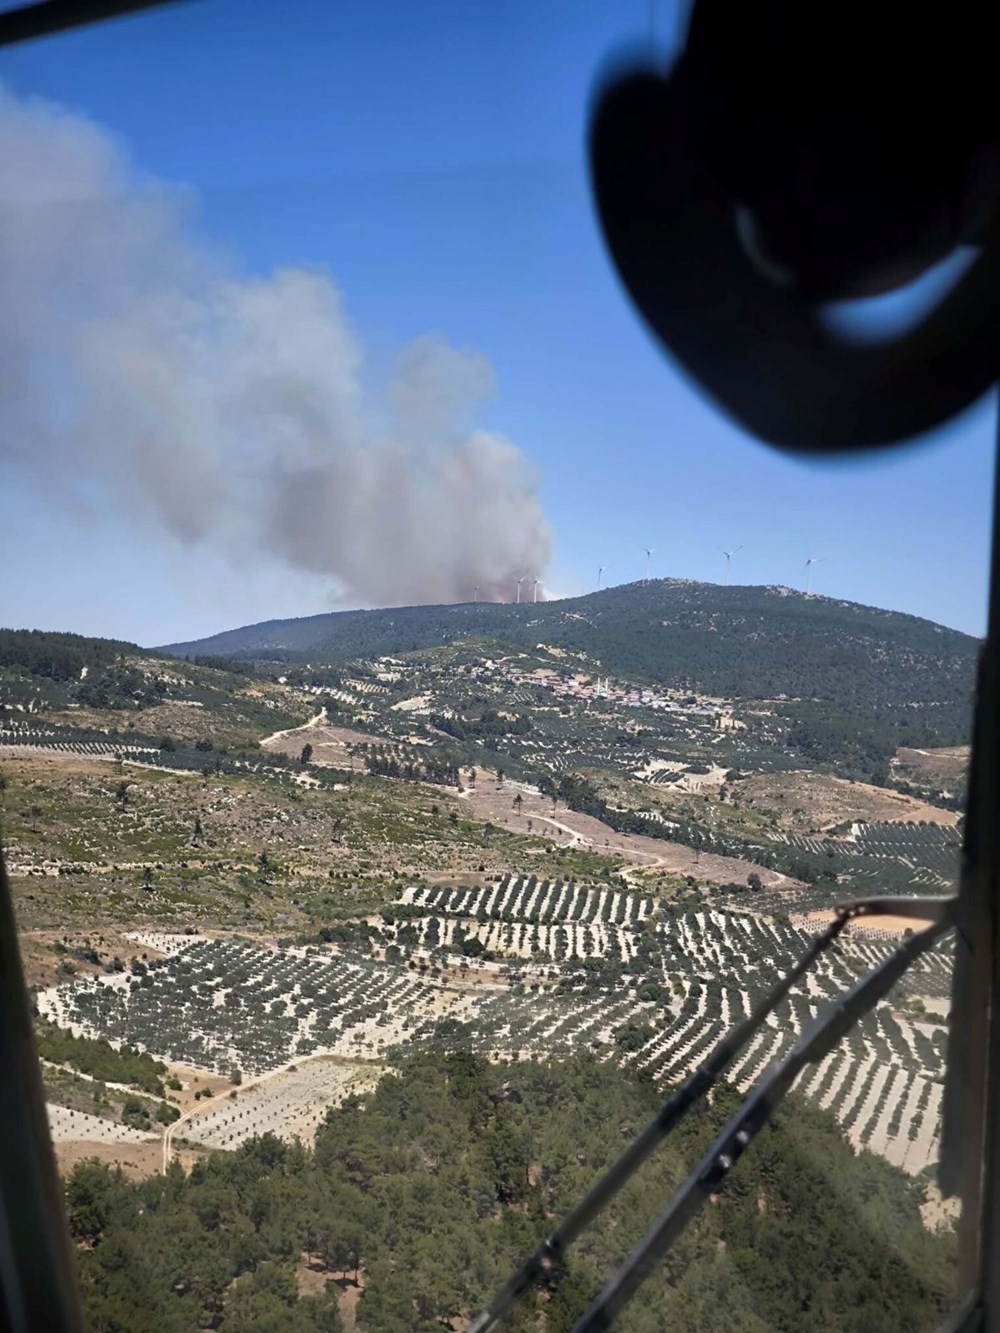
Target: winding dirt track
[494,803]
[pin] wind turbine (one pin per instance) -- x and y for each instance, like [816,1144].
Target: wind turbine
[519,582]
[534,590]
[600,572]
[729,556]
[813,560]
[477,592]
[649,551]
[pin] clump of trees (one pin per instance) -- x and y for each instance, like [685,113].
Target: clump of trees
[58,656]
[434,1184]
[489,726]
[580,794]
[99,1059]
[381,762]
[633,1035]
[233,665]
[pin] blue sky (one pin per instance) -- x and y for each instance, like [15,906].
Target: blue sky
[430,157]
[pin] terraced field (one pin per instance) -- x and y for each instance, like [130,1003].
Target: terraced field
[223,1004]
[529,899]
[291,1103]
[329,1018]
[458,745]
[522,917]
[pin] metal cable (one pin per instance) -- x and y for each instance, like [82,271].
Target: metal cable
[709,1175]
[541,1263]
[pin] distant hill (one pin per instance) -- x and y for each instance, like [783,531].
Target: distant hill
[736,642]
[55,655]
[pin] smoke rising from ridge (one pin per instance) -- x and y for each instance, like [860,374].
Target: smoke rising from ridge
[135,368]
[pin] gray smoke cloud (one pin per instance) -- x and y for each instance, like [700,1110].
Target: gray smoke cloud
[136,367]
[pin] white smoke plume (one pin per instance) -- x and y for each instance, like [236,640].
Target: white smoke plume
[134,367]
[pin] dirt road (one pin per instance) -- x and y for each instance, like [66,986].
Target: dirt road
[492,802]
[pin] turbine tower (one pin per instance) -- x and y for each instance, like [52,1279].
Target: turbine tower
[729,556]
[600,574]
[477,592]
[649,552]
[519,582]
[534,590]
[813,560]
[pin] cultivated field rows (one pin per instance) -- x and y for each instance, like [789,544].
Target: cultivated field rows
[68,1125]
[291,1103]
[932,848]
[46,743]
[526,898]
[882,1082]
[224,1004]
[523,940]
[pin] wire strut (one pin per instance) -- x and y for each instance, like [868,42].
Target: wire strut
[814,1044]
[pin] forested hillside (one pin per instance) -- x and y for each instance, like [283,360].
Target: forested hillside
[418,1199]
[749,643]
[57,656]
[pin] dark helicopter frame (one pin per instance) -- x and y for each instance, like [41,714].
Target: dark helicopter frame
[38,1289]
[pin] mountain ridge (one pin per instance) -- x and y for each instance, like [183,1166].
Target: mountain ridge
[748,642]
[246,639]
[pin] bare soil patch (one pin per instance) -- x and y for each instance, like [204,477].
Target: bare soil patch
[939,1213]
[331,745]
[36,759]
[312,1278]
[811,803]
[889,925]
[494,803]
[192,1081]
[43,952]
[946,763]
[135,1159]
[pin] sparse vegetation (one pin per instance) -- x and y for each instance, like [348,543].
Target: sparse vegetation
[476,855]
